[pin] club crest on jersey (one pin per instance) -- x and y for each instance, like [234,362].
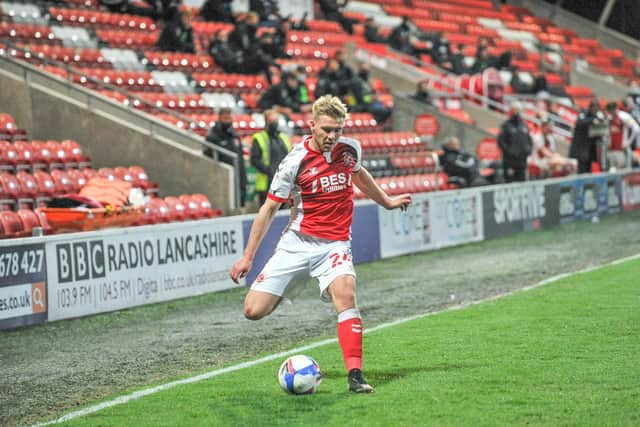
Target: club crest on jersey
[348,159]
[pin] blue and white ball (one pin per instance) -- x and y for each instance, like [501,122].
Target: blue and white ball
[300,375]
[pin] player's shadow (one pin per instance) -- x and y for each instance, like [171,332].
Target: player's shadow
[377,376]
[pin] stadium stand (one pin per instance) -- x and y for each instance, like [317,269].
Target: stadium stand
[115,54]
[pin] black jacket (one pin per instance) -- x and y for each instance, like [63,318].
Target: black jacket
[176,37]
[217,10]
[583,148]
[243,37]
[282,95]
[229,59]
[372,34]
[399,39]
[515,142]
[459,164]
[227,138]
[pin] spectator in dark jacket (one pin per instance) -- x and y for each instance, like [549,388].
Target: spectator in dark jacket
[461,166]
[284,97]
[254,58]
[516,144]
[483,61]
[422,93]
[217,10]
[584,147]
[223,135]
[328,82]
[177,34]
[219,49]
[362,96]
[332,11]
[372,32]
[400,37]
[267,10]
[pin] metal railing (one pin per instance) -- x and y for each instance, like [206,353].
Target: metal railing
[417,74]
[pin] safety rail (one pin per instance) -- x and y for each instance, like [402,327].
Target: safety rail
[417,74]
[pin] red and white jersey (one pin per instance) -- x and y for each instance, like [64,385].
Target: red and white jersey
[321,188]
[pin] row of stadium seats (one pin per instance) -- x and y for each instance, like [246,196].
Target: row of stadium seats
[47,155]
[25,189]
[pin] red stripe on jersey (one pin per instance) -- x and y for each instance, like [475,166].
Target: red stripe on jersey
[276,198]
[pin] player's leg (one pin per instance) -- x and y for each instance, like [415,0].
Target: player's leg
[337,277]
[343,295]
[267,290]
[258,304]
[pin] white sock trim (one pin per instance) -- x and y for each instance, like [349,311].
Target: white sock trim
[350,313]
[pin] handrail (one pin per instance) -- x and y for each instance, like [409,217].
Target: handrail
[481,99]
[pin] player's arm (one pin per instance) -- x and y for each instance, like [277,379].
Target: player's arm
[365,182]
[260,226]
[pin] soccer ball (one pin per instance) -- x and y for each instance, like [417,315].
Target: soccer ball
[299,375]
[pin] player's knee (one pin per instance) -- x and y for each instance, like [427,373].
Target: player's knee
[252,312]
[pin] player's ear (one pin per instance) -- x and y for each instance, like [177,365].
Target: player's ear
[311,123]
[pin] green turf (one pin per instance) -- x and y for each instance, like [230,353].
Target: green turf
[564,354]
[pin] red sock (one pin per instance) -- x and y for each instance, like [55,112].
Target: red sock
[350,338]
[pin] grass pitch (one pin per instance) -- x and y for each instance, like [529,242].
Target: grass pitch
[563,354]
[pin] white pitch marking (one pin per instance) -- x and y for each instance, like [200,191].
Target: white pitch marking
[148,391]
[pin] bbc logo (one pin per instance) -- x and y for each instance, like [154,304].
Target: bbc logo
[80,261]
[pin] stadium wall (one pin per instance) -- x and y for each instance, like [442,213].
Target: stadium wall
[71,275]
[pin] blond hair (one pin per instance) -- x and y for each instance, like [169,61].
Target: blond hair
[329,105]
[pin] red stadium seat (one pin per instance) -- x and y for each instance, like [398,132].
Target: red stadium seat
[29,220]
[11,224]
[177,209]
[157,211]
[192,207]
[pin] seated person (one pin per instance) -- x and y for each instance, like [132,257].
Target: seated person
[544,155]
[328,82]
[177,34]
[462,167]
[217,10]
[284,97]
[422,93]
[226,57]
[361,96]
[372,32]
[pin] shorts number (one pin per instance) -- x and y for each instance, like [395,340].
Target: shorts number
[338,258]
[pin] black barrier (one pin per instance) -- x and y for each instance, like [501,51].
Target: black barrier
[509,209]
[23,293]
[533,205]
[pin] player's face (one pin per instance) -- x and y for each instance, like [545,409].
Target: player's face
[326,131]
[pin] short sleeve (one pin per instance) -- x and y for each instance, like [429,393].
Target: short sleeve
[284,179]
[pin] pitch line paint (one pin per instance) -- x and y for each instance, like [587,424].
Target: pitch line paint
[217,372]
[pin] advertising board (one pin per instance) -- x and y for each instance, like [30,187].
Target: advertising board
[23,294]
[91,273]
[432,221]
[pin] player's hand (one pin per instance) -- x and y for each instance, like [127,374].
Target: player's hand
[240,269]
[402,201]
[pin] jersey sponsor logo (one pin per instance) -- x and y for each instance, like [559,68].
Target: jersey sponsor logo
[330,183]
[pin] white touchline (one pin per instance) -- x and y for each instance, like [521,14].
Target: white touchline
[145,392]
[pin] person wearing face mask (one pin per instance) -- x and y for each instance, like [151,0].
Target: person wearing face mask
[223,135]
[268,148]
[516,144]
[328,83]
[361,96]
